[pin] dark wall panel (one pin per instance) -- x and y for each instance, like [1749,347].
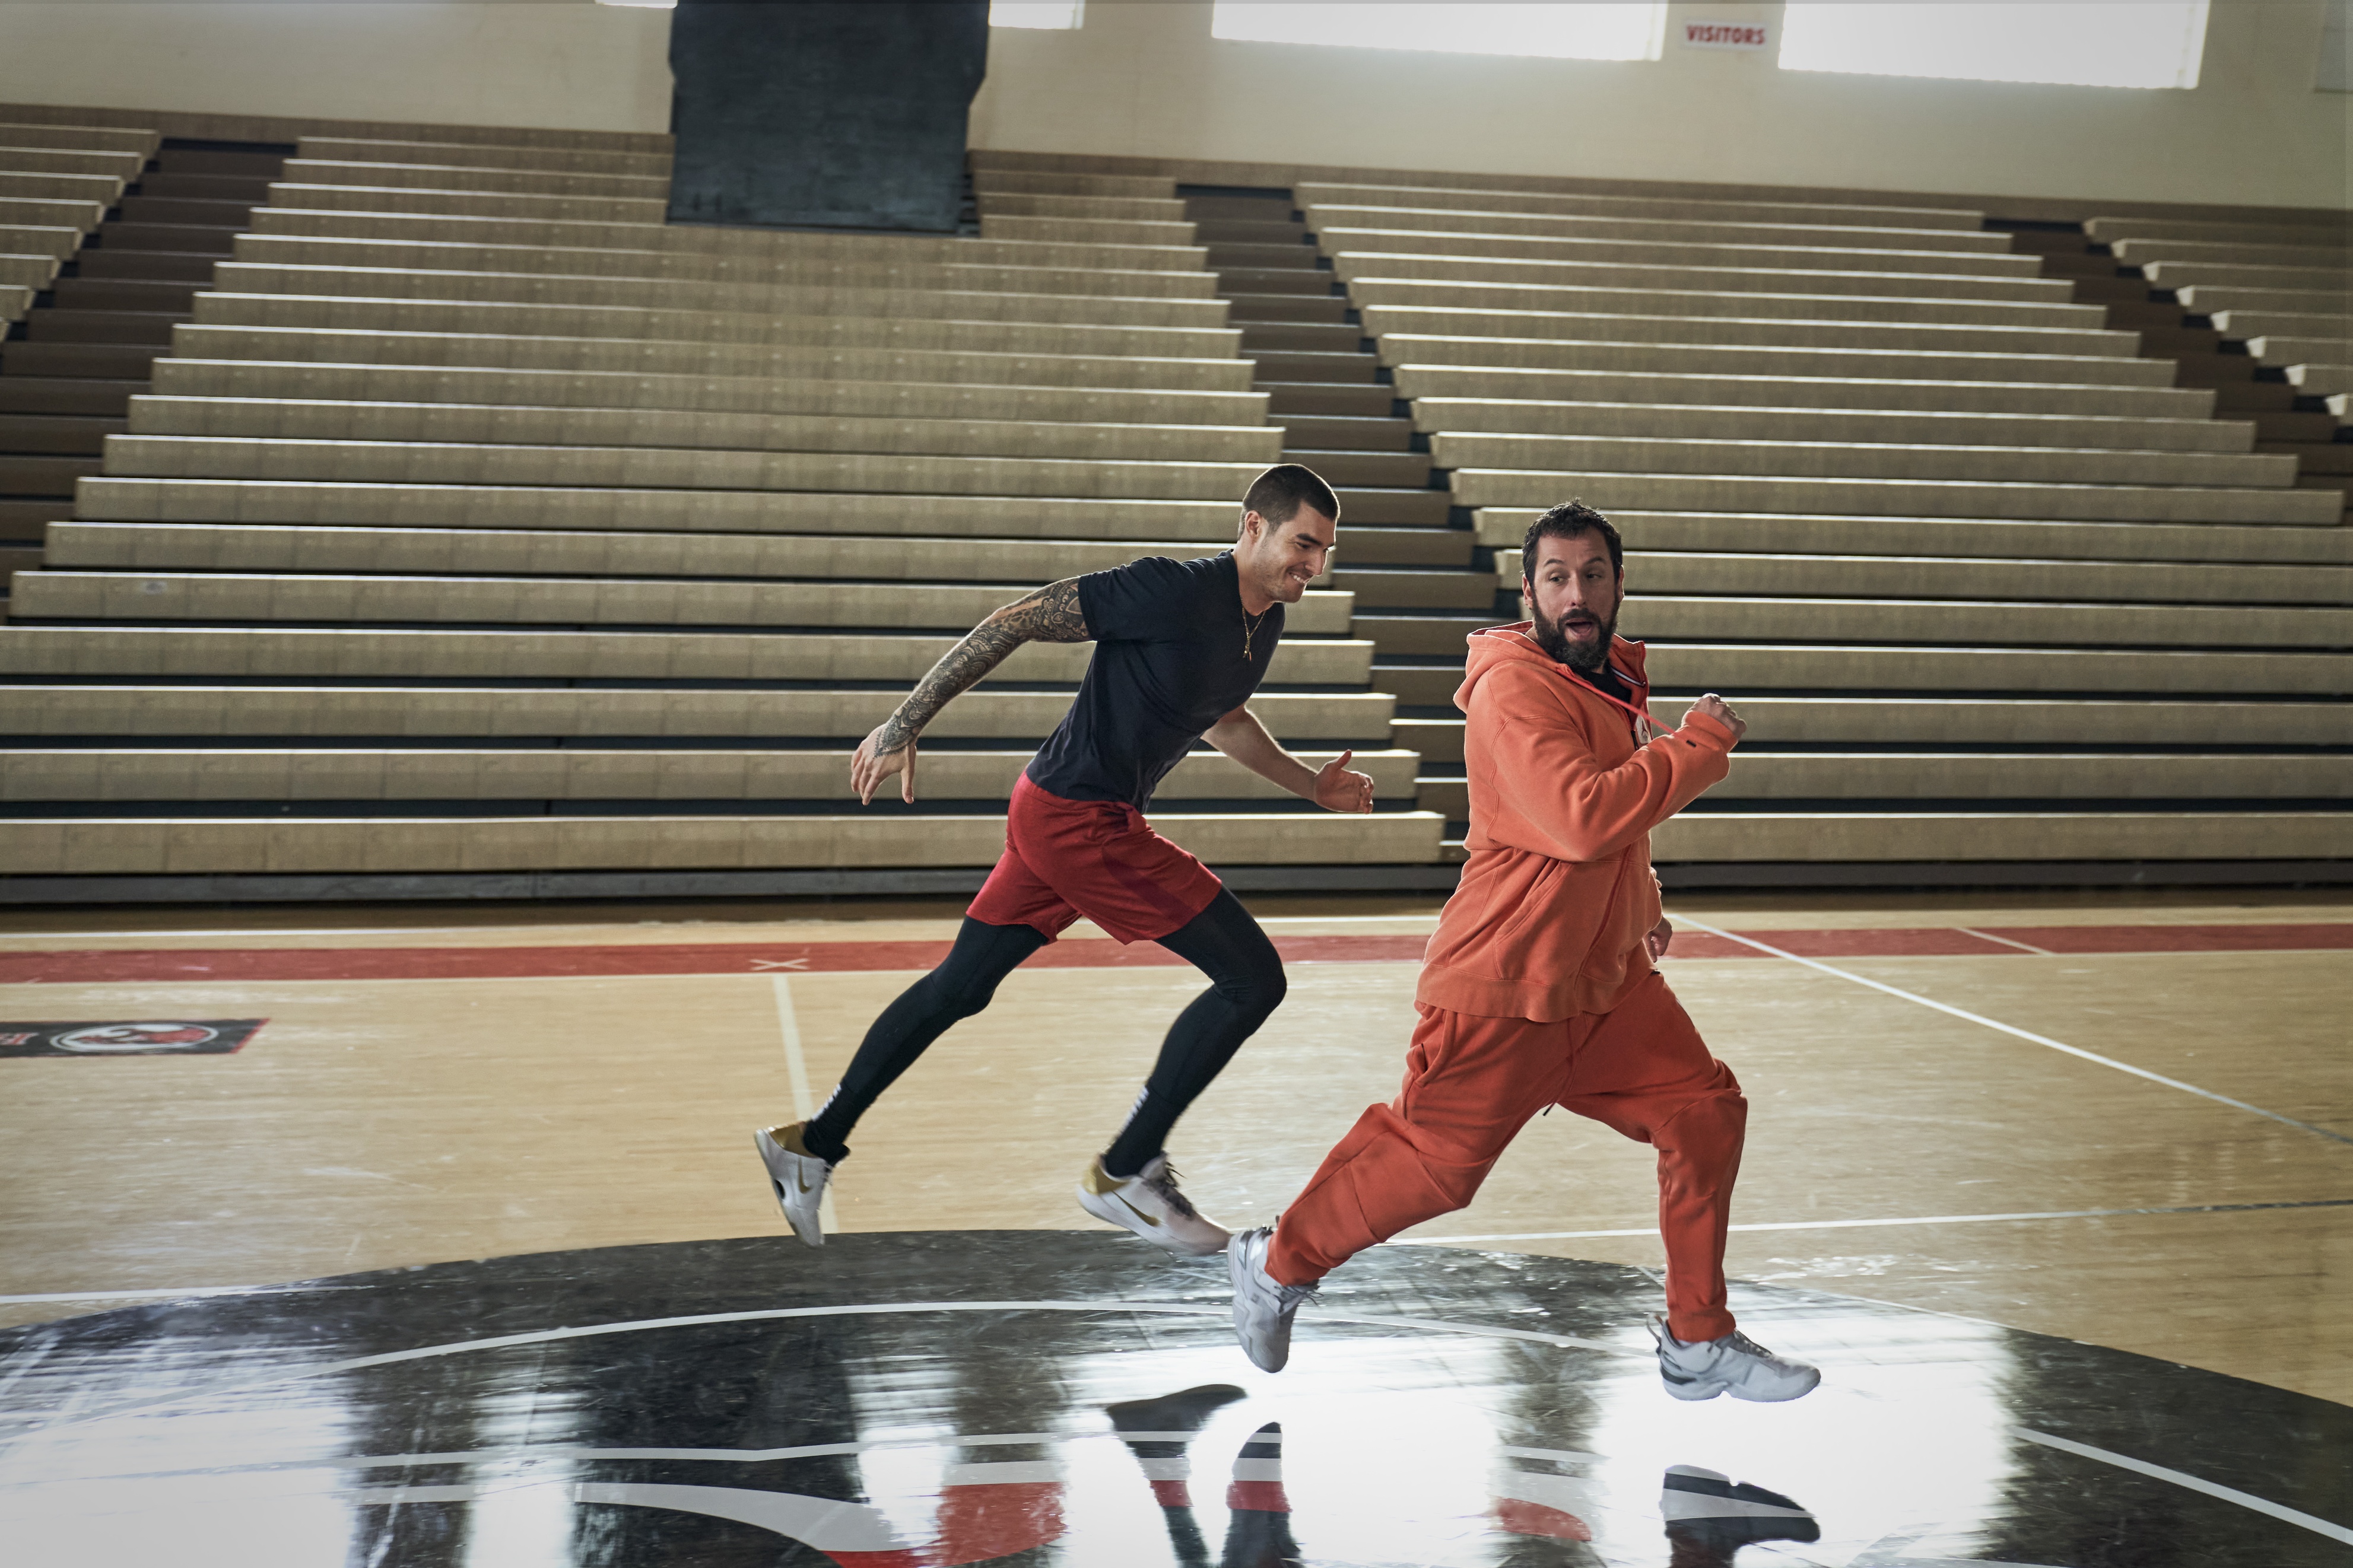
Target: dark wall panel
[831,115]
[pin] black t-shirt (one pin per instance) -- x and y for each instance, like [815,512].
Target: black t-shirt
[1610,683]
[1168,663]
[1609,680]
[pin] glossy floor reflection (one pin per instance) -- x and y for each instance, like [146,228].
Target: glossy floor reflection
[925,1400]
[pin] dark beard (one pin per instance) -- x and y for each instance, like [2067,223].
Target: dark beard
[1550,637]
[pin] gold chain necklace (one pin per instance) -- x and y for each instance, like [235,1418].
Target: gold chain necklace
[1250,629]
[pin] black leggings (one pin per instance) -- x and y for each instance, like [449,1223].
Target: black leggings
[1246,984]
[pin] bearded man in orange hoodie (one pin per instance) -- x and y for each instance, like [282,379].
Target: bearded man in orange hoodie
[1539,987]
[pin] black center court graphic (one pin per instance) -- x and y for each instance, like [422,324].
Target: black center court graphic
[1035,1398]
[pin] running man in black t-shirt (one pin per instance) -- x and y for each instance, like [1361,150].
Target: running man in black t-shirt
[1179,648]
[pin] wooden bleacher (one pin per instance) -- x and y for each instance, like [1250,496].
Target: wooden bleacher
[480,532]
[481,526]
[1996,586]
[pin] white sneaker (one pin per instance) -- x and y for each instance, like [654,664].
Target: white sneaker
[1735,1364]
[799,1178]
[1150,1203]
[1263,1309]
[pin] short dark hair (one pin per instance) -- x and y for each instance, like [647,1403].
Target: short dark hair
[1567,521]
[1277,494]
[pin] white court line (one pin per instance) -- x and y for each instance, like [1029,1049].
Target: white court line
[1988,936]
[775,1314]
[178,1292]
[788,1021]
[1890,1220]
[173,1294]
[715,1455]
[2319,1526]
[2012,1029]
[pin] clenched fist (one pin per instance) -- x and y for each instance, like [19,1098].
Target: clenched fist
[1723,712]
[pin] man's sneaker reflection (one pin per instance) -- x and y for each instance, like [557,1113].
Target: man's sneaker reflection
[1710,1516]
[1157,1431]
[1258,1531]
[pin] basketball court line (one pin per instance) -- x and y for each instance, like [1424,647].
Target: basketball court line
[720,1456]
[289,930]
[1511,1235]
[177,1293]
[1702,941]
[770,1314]
[1430,916]
[1888,1222]
[2312,1523]
[2302,1521]
[999,1439]
[2006,942]
[2013,1030]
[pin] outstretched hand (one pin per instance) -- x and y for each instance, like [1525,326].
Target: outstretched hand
[871,765]
[1337,789]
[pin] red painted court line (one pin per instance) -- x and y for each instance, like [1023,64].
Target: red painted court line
[2179,939]
[92,965]
[1947,942]
[104,966]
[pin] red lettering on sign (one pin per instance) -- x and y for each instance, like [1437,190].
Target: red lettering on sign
[1725,34]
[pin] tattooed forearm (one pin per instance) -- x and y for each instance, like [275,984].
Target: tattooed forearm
[986,648]
[1049,614]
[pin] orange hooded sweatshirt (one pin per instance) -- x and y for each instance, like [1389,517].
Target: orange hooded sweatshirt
[1557,893]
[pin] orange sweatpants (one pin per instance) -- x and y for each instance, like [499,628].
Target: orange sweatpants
[1471,1083]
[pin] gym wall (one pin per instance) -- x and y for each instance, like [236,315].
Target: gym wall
[565,64]
[1145,77]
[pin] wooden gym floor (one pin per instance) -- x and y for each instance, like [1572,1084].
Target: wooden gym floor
[447,1083]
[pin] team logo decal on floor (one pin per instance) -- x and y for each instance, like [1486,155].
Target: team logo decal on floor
[211,1036]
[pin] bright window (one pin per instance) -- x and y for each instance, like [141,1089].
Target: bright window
[1578,32]
[2107,42]
[1036,13]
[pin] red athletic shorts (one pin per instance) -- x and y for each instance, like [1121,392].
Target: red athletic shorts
[1064,858]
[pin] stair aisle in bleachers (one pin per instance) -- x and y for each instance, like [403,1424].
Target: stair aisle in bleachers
[1402,557]
[2265,314]
[61,187]
[73,363]
[483,532]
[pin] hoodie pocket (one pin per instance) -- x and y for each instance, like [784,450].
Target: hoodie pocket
[1535,903]
[1606,960]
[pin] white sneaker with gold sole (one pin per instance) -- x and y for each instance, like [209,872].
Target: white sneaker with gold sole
[1150,1203]
[797,1177]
